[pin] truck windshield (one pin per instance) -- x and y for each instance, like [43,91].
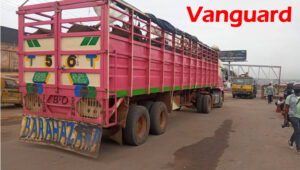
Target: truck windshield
[242,81]
[10,84]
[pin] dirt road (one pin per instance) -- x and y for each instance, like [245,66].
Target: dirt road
[243,135]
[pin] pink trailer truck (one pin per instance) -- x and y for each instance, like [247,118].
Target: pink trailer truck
[93,66]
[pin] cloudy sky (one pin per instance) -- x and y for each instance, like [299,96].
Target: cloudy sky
[267,43]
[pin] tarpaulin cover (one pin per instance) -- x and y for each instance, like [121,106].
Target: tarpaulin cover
[162,23]
[170,28]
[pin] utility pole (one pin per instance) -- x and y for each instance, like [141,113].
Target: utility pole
[229,74]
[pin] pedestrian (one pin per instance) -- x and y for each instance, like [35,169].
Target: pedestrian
[270,92]
[293,108]
[279,104]
[288,90]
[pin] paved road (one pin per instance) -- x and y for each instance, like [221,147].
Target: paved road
[243,135]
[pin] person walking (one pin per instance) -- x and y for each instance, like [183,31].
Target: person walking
[288,90]
[280,104]
[270,92]
[293,108]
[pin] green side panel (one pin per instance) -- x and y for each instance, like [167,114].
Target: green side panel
[167,88]
[94,41]
[79,79]
[92,92]
[85,41]
[36,43]
[203,85]
[28,89]
[30,44]
[177,88]
[207,85]
[122,93]
[136,92]
[154,90]
[40,77]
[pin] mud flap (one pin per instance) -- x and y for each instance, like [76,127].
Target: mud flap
[116,134]
[78,137]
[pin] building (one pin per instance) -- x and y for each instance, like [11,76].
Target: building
[9,49]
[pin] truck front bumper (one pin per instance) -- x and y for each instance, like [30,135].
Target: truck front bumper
[241,93]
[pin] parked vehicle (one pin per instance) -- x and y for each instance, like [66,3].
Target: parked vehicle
[124,74]
[10,92]
[244,86]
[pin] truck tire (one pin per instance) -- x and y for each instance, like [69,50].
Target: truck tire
[206,104]
[158,118]
[137,126]
[233,96]
[199,104]
[147,104]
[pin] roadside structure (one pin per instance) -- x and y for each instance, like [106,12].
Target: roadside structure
[9,48]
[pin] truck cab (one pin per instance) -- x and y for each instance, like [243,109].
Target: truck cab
[10,93]
[244,86]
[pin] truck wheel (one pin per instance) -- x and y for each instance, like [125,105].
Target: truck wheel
[137,126]
[199,103]
[147,104]
[233,96]
[206,104]
[158,118]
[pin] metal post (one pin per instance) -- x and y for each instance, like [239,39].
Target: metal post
[229,72]
[279,80]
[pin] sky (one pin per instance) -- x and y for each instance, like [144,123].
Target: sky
[266,43]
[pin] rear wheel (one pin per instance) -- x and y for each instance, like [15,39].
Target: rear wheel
[206,104]
[199,103]
[137,126]
[147,104]
[158,118]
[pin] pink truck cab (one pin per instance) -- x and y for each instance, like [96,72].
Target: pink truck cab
[92,65]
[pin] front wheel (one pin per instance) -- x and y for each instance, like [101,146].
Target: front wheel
[137,126]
